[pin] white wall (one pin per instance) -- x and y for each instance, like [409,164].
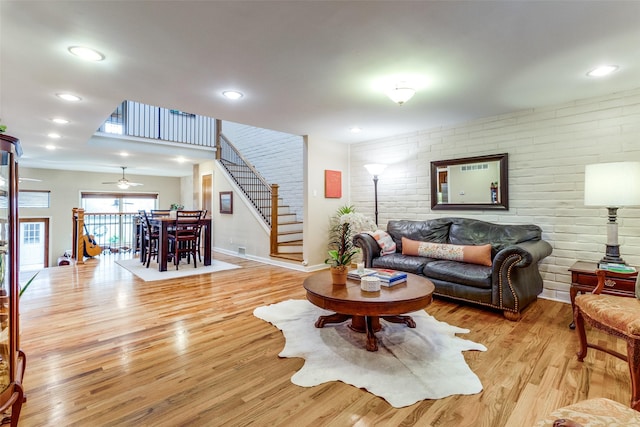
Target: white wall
[320,155]
[65,187]
[548,149]
[242,229]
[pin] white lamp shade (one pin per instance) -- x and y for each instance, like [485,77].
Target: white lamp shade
[375,169]
[612,184]
[401,94]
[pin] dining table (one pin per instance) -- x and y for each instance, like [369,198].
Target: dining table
[163,224]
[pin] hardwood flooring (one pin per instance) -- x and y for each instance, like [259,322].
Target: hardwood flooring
[107,349]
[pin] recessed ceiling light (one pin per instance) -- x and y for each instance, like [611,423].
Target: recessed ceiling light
[50,147]
[124,154]
[180,159]
[603,70]
[232,94]
[60,121]
[68,97]
[355,129]
[86,53]
[54,135]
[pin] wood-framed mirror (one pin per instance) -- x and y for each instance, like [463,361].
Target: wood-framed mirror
[477,183]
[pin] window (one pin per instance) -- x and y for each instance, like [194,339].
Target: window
[31,233]
[118,202]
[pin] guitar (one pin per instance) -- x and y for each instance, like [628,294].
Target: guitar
[91,248]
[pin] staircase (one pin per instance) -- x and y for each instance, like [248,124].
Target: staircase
[289,229]
[289,235]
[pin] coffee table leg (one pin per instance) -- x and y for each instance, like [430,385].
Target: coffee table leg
[407,320]
[372,342]
[332,318]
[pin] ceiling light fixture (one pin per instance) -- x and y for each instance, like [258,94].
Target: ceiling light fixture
[123,185]
[50,147]
[602,70]
[356,129]
[86,53]
[54,135]
[68,97]
[401,93]
[232,94]
[60,121]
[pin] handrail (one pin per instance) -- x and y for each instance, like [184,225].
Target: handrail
[244,161]
[249,180]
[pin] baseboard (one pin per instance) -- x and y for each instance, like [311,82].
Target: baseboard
[271,261]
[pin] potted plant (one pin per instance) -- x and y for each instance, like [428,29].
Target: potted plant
[341,248]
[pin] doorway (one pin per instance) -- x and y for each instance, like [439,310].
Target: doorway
[34,243]
[207,192]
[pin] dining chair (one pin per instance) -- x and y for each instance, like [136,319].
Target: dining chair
[155,213]
[614,315]
[184,237]
[151,239]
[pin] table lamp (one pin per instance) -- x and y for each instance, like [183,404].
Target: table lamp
[612,185]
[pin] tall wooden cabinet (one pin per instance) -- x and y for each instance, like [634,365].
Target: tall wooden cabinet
[12,359]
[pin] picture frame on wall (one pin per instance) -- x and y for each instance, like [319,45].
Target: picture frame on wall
[226,202]
[332,184]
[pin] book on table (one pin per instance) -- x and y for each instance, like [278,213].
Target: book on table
[389,277]
[356,275]
[616,267]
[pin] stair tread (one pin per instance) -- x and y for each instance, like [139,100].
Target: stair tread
[295,256]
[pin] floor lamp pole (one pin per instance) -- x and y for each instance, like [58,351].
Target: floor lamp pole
[375,195]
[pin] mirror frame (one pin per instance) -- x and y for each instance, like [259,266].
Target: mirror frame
[504,180]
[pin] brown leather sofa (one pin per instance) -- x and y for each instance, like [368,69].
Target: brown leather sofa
[510,284]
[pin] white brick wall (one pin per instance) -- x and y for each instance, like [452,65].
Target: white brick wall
[276,155]
[548,149]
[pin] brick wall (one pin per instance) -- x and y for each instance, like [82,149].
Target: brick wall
[548,149]
[276,155]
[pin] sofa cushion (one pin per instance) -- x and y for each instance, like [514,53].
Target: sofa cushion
[385,242]
[478,276]
[465,231]
[471,254]
[410,264]
[434,230]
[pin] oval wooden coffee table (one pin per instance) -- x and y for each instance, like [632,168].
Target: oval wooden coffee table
[366,308]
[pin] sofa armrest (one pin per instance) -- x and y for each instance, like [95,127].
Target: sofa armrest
[529,253]
[516,278]
[369,247]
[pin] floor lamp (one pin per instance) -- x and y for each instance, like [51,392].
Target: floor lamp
[612,185]
[375,169]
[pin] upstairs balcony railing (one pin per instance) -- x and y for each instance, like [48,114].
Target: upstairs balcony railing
[162,124]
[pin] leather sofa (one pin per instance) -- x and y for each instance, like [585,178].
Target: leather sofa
[510,283]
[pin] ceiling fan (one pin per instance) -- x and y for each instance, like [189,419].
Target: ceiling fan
[123,183]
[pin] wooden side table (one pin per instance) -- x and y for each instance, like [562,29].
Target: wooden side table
[583,279]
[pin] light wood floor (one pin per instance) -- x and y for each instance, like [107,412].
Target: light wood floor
[107,349]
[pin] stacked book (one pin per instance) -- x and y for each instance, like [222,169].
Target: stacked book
[390,277]
[616,268]
[357,275]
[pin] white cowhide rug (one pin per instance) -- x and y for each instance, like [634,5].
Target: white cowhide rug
[410,364]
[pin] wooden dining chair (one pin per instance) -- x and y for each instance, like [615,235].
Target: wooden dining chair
[151,239]
[155,213]
[614,315]
[184,237]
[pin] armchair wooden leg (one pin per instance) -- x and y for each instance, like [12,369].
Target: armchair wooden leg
[582,335]
[633,358]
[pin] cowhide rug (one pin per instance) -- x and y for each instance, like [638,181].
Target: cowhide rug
[410,364]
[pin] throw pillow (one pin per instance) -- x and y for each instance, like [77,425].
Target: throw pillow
[385,242]
[480,254]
